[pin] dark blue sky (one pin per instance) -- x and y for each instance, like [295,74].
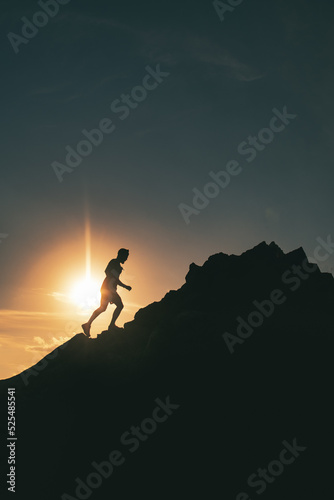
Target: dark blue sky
[225,77]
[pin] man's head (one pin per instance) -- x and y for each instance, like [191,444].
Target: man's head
[122,254]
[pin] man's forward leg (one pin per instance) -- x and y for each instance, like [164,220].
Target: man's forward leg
[103,306]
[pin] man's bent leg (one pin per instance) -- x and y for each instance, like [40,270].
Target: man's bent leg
[116,299]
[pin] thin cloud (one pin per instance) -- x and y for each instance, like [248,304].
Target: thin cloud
[43,345]
[61,297]
[176,48]
[14,313]
[206,52]
[14,322]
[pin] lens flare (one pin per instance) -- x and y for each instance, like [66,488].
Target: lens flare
[86,294]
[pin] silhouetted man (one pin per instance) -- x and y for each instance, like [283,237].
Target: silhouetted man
[108,291]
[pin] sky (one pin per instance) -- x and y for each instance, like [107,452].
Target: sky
[213,130]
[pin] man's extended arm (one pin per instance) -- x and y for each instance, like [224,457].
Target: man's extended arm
[118,282]
[112,273]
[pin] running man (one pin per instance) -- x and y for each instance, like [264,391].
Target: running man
[108,291]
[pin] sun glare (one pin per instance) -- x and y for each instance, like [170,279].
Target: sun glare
[86,294]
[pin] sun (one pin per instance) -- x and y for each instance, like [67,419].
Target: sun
[85,294]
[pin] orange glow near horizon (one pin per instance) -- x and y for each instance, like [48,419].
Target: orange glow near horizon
[61,288]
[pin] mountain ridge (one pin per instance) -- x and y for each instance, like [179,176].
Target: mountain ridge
[264,385]
[271,253]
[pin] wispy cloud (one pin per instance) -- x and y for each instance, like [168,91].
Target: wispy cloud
[46,345]
[172,48]
[19,324]
[204,51]
[61,297]
[14,313]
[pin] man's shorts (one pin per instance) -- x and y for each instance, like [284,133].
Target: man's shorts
[110,296]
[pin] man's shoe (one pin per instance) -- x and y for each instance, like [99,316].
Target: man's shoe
[86,329]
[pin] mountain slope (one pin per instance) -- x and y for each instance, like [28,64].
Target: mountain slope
[243,353]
